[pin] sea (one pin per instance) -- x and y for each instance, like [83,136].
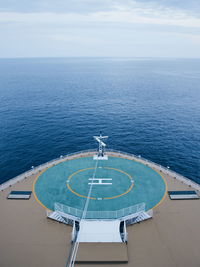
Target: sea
[54,106]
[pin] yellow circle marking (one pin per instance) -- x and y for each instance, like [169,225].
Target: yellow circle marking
[81,170]
[162,176]
[116,156]
[166,189]
[33,189]
[33,185]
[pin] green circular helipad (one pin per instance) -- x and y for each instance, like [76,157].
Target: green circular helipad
[116,183]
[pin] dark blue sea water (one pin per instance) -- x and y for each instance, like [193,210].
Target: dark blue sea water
[51,107]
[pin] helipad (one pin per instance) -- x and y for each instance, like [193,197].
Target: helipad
[117,183]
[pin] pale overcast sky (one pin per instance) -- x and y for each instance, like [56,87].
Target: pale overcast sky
[114,28]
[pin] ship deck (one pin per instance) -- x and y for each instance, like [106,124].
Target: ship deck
[170,238]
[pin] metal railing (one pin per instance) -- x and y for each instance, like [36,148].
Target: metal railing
[159,167]
[100,214]
[41,167]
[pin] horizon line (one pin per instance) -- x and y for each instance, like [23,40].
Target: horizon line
[99,57]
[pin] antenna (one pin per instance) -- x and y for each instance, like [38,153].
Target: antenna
[102,146]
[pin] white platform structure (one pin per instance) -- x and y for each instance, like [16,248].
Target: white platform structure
[99,231]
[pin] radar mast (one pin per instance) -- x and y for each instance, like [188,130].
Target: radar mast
[101,150]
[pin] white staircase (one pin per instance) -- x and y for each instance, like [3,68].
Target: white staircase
[141,217]
[57,217]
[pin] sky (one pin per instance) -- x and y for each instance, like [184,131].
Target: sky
[100,28]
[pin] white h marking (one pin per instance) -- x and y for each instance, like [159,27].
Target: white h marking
[99,181]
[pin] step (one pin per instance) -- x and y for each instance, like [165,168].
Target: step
[102,253]
[55,216]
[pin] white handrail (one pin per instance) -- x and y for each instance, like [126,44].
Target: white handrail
[140,207]
[161,168]
[41,167]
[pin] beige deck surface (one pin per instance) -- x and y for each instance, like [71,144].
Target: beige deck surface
[29,239]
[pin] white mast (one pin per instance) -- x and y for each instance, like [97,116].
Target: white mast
[102,145]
